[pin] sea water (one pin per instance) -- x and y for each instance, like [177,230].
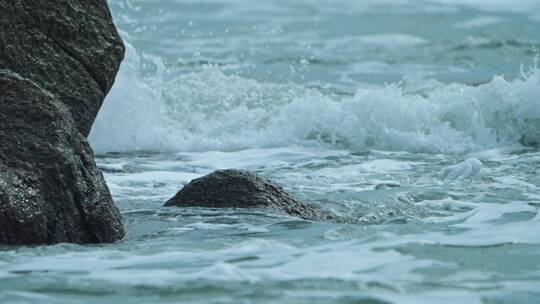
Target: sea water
[404,119]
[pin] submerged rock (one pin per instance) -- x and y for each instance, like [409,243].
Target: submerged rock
[68,47]
[387,185]
[530,136]
[530,141]
[50,188]
[233,188]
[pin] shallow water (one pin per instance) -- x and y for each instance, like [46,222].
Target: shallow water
[361,108]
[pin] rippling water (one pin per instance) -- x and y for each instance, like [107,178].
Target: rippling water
[380,112]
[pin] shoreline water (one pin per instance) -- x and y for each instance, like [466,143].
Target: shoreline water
[330,99]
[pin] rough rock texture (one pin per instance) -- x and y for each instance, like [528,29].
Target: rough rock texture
[68,47]
[239,189]
[50,188]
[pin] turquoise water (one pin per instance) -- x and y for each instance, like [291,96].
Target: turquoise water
[333,100]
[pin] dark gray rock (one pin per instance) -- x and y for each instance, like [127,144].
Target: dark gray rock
[50,188]
[530,141]
[58,60]
[530,136]
[233,188]
[387,185]
[68,47]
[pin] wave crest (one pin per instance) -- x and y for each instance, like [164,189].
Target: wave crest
[210,110]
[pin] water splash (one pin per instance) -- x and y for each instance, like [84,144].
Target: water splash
[210,110]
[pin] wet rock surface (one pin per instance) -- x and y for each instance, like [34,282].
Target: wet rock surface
[234,188]
[50,188]
[69,47]
[58,60]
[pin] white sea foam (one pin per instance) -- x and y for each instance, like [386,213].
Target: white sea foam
[481,21]
[467,169]
[130,118]
[209,110]
[388,40]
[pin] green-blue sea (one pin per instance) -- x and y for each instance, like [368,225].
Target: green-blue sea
[413,121]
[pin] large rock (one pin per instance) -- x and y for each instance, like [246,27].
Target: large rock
[50,188]
[69,47]
[240,189]
[58,60]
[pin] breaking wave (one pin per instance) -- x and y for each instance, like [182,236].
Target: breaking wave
[211,110]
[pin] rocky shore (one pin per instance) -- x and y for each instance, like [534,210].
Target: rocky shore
[58,60]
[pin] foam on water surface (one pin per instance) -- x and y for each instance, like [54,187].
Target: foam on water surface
[211,110]
[354,106]
[467,169]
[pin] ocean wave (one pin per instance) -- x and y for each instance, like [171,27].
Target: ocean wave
[211,110]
